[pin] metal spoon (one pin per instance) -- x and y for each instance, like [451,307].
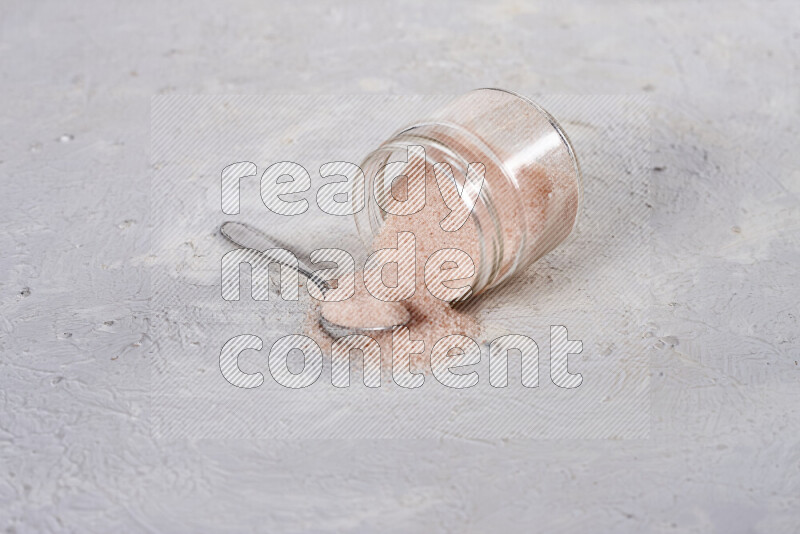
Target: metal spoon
[246,236]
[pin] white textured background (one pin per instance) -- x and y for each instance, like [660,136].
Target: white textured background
[75,447]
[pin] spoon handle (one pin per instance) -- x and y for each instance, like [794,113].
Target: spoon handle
[246,236]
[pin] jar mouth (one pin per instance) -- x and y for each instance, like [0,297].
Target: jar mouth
[492,268]
[489,236]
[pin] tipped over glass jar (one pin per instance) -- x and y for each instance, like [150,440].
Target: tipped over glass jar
[528,202]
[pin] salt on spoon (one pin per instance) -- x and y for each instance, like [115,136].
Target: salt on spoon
[361,313]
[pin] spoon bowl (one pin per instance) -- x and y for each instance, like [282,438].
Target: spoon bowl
[336,330]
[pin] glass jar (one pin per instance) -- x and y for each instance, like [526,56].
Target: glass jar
[532,190]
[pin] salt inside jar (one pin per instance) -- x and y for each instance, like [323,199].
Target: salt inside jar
[529,201]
